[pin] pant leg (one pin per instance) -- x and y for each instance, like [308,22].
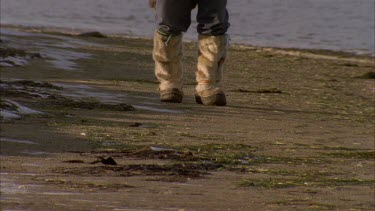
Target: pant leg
[213,17]
[174,16]
[213,23]
[168,61]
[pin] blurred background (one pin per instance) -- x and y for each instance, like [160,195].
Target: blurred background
[344,25]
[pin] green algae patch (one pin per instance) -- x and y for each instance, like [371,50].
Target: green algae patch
[30,83]
[231,157]
[221,154]
[287,160]
[268,183]
[307,202]
[370,155]
[301,174]
[91,104]
[308,182]
[368,75]
[7,106]
[177,171]
[11,52]
[234,157]
[8,52]
[260,91]
[229,154]
[11,57]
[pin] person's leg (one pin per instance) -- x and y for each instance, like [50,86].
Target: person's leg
[212,45]
[173,17]
[212,17]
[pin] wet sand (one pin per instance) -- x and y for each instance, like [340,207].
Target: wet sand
[297,133]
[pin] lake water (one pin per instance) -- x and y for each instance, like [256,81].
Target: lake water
[346,25]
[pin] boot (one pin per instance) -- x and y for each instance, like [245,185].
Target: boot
[211,58]
[167,55]
[171,95]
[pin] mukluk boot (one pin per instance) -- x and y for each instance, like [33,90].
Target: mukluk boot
[211,58]
[167,55]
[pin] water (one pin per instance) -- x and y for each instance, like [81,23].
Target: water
[346,25]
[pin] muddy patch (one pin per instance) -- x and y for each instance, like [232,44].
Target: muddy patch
[12,110]
[77,96]
[30,83]
[90,104]
[260,91]
[182,164]
[51,94]
[186,163]
[79,91]
[95,34]
[27,89]
[60,51]
[211,153]
[180,171]
[193,162]
[169,172]
[10,57]
[368,75]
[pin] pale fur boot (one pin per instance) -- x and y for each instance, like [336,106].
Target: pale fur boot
[211,58]
[167,55]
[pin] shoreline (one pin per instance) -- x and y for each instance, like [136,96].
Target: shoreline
[349,56]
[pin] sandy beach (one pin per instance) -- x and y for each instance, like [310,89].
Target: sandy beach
[297,134]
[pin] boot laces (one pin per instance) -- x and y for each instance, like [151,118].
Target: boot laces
[166,42]
[228,39]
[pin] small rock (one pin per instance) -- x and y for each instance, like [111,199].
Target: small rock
[108,161]
[74,161]
[368,75]
[136,124]
[92,34]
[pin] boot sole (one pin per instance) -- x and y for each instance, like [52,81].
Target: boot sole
[171,97]
[214,100]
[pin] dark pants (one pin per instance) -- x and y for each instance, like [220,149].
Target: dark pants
[174,16]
